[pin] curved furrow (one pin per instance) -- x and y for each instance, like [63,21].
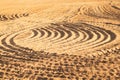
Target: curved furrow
[68,32]
[115,7]
[25,14]
[3,18]
[64,37]
[0,16]
[18,47]
[110,37]
[107,12]
[75,36]
[48,32]
[77,30]
[60,35]
[16,16]
[83,36]
[4,48]
[54,33]
[51,34]
[106,39]
[104,32]
[84,32]
[92,44]
[35,33]
[41,32]
[4,43]
[88,37]
[100,14]
[20,15]
[80,43]
[93,38]
[81,46]
[100,11]
[96,37]
[12,16]
[9,43]
[14,51]
[72,37]
[83,9]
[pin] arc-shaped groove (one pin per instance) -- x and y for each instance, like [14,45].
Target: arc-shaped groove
[96,37]
[60,34]
[77,35]
[3,41]
[18,47]
[115,7]
[85,36]
[9,46]
[48,32]
[110,37]
[41,32]
[83,42]
[64,37]
[74,35]
[4,48]
[35,33]
[53,32]
[4,17]
[105,40]
[103,32]
[101,11]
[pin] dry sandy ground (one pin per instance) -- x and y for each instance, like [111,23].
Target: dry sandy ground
[60,40]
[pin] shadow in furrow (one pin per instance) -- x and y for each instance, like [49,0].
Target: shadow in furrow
[48,32]
[35,33]
[3,41]
[41,32]
[115,7]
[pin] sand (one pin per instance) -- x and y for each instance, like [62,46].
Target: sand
[60,40]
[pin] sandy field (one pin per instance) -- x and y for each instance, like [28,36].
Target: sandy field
[60,40]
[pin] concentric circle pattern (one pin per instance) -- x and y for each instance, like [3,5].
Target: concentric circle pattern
[65,38]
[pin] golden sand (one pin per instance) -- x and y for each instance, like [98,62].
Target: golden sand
[60,40]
